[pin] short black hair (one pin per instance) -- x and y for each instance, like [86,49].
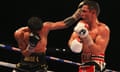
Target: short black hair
[35,23]
[92,5]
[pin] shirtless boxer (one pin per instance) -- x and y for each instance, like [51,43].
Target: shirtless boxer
[32,40]
[90,38]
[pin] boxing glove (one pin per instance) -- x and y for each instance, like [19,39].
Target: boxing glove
[76,46]
[81,30]
[33,39]
[83,33]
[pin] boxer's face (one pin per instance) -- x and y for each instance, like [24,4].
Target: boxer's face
[85,12]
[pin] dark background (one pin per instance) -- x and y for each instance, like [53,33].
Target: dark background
[15,15]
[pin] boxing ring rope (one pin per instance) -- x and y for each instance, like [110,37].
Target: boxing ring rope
[6,64]
[11,65]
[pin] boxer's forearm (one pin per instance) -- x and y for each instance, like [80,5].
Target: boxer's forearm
[72,19]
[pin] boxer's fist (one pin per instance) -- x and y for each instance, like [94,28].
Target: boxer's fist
[83,33]
[81,30]
[77,13]
[33,39]
[76,46]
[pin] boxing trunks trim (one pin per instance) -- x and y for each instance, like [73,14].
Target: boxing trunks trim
[99,57]
[95,64]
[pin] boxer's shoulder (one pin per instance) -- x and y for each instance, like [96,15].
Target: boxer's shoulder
[103,26]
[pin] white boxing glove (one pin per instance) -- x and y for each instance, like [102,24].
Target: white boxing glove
[81,30]
[76,46]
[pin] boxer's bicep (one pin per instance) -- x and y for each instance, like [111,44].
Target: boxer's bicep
[101,41]
[103,38]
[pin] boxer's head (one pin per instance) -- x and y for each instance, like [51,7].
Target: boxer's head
[35,23]
[92,4]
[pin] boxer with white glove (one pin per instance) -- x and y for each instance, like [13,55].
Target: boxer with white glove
[83,33]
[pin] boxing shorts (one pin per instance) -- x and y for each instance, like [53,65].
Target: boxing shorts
[36,62]
[96,64]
